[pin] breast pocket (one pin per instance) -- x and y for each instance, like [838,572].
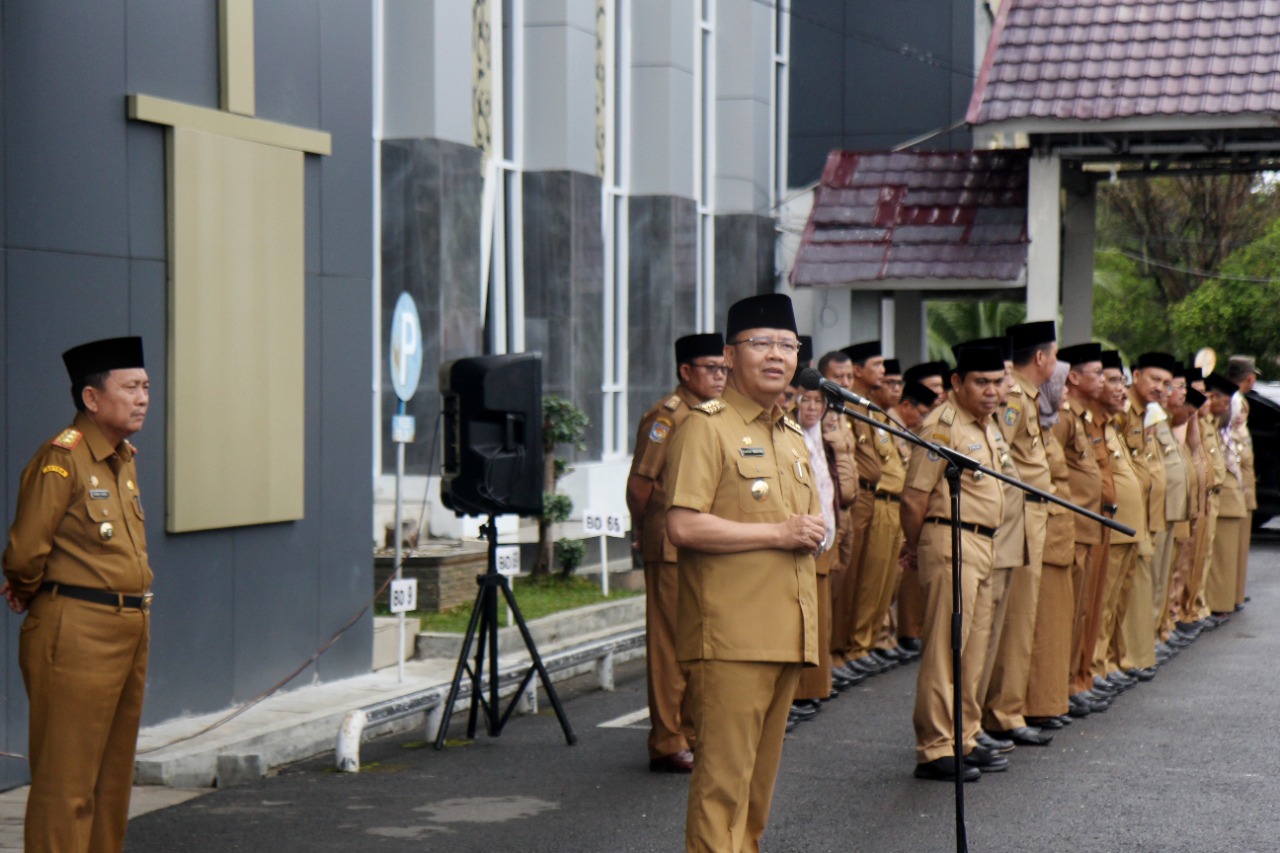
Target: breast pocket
[105,523]
[758,487]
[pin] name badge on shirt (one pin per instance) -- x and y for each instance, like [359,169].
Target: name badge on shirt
[751,451]
[99,494]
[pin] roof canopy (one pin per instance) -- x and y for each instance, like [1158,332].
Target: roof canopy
[924,221]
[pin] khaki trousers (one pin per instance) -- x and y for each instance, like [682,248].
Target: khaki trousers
[843,598]
[815,681]
[1224,566]
[1122,560]
[1184,551]
[933,708]
[670,728]
[1006,691]
[1195,605]
[1161,574]
[1089,581]
[877,576]
[740,716]
[1049,676]
[1139,625]
[910,603]
[85,667]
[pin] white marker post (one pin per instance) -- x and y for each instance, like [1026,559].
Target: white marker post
[508,557]
[606,526]
[406,367]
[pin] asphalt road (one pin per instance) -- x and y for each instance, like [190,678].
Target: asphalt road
[1187,762]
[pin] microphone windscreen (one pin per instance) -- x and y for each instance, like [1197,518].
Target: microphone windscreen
[810,379]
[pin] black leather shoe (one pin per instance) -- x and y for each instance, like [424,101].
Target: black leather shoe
[887,656]
[873,665]
[1045,722]
[994,744]
[1177,642]
[791,724]
[986,760]
[802,711]
[944,770]
[856,675]
[1145,674]
[1078,706]
[1065,719]
[1188,629]
[1024,736]
[910,644]
[1238,608]
[676,762]
[843,679]
[857,666]
[1104,687]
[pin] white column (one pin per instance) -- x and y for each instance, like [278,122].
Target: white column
[1079,234]
[910,338]
[1044,223]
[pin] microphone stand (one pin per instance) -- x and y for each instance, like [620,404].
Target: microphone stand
[957,463]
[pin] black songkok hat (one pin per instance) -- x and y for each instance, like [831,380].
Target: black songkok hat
[917,393]
[1193,373]
[1111,358]
[1000,344]
[766,311]
[1159,360]
[892,367]
[929,368]
[858,353]
[102,356]
[1079,354]
[806,349]
[1195,399]
[1221,384]
[699,346]
[1028,335]
[976,358]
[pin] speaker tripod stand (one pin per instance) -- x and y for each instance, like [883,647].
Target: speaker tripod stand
[484,621]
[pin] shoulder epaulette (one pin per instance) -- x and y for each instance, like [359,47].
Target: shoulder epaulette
[1016,389]
[133,448]
[711,407]
[68,438]
[792,424]
[672,404]
[948,415]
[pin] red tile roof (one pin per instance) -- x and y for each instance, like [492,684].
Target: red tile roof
[1111,59]
[881,216]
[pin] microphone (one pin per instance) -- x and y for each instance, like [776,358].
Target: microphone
[812,380]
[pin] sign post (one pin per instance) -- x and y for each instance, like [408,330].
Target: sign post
[406,367]
[606,526]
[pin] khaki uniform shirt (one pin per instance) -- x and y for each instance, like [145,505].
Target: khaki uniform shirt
[1011,542]
[843,447]
[981,497]
[1085,454]
[744,463]
[1130,500]
[1177,475]
[650,460]
[1020,424]
[1147,458]
[869,454]
[80,517]
[892,472]
[1060,532]
[1244,445]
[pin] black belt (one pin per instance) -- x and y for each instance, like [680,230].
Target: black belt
[889,496]
[1111,508]
[866,484]
[99,596]
[989,532]
[1035,499]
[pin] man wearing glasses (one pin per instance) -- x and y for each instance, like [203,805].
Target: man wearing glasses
[701,370]
[745,513]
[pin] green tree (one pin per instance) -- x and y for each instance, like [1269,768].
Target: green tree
[949,323]
[563,423]
[1128,314]
[1236,312]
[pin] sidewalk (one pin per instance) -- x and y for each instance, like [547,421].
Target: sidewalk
[176,763]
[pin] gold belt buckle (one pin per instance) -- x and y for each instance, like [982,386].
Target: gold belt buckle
[146,601]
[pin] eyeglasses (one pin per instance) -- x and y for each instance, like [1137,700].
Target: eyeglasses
[763,345]
[713,369]
[893,383]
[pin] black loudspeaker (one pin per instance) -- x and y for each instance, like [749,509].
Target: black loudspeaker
[492,435]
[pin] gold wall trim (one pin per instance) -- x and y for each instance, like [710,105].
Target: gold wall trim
[235,42]
[177,114]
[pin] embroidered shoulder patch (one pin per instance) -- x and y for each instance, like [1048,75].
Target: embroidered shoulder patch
[68,439]
[711,407]
[792,424]
[660,430]
[55,469]
[1011,415]
[672,404]
[948,416]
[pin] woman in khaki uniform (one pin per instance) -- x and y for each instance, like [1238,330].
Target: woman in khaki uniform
[76,562]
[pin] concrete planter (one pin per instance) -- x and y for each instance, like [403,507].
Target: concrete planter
[446,573]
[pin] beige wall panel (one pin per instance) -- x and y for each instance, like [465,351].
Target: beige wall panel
[236,332]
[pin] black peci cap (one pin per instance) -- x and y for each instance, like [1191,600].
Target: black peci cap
[976,358]
[1221,384]
[923,371]
[1079,354]
[102,356]
[699,346]
[1158,360]
[1001,344]
[806,349]
[1111,359]
[917,393]
[892,367]
[766,311]
[1028,335]
[858,353]
[1195,398]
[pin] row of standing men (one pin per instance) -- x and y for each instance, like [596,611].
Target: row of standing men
[1061,614]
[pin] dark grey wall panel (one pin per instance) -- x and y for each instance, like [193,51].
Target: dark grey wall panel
[64,126]
[14,736]
[287,59]
[147,215]
[172,46]
[870,75]
[744,260]
[346,111]
[342,571]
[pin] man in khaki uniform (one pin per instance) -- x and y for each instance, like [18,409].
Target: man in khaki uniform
[1243,371]
[1179,504]
[867,372]
[76,563]
[744,513]
[1035,355]
[963,424]
[1081,431]
[701,370]
[1194,608]
[1223,570]
[1184,401]
[918,400]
